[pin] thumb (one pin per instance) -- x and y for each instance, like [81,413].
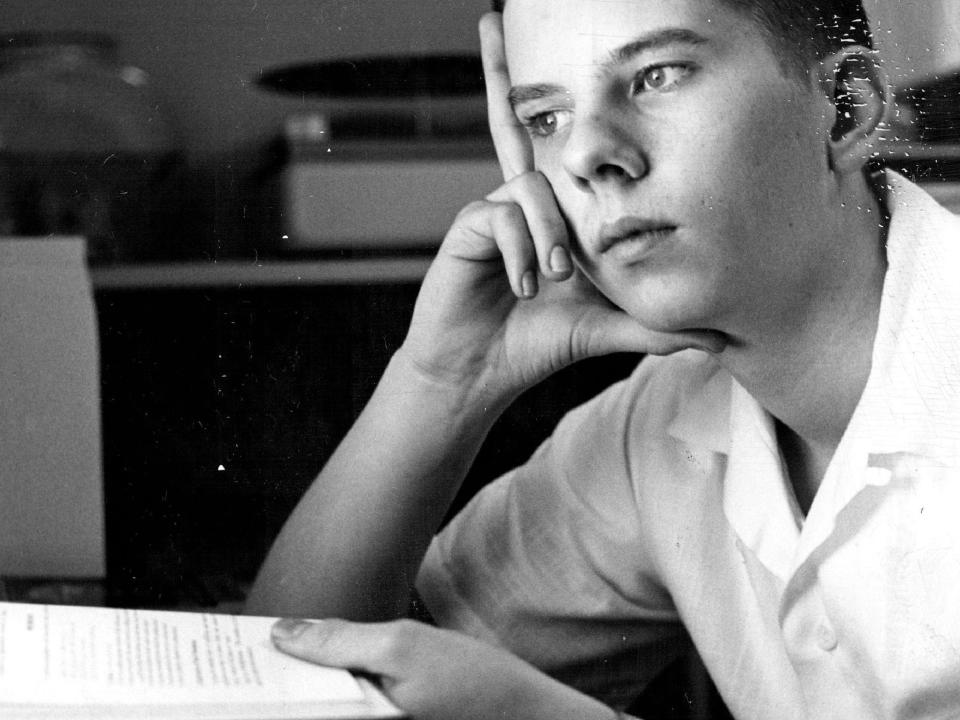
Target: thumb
[607,328]
[336,643]
[621,333]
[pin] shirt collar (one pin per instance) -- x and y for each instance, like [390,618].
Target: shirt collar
[703,412]
[910,405]
[758,500]
[718,415]
[911,402]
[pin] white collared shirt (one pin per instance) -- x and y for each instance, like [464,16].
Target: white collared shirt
[665,503]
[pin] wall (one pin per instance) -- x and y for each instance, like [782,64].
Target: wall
[204,56]
[917,38]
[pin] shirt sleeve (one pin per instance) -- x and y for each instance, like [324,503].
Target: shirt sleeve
[549,560]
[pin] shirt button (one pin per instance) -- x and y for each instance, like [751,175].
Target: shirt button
[826,637]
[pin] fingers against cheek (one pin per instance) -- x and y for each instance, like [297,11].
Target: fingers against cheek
[547,228]
[510,139]
[509,229]
[544,224]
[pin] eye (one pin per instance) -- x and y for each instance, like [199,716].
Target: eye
[660,78]
[545,124]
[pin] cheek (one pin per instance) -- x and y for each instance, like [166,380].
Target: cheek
[574,202]
[547,161]
[726,154]
[757,165]
[781,140]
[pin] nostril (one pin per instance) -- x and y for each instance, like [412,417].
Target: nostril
[603,172]
[581,183]
[610,170]
[597,151]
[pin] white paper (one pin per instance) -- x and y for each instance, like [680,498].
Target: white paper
[203,664]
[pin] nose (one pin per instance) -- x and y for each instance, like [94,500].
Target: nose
[599,152]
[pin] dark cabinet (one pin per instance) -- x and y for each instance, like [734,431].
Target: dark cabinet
[220,406]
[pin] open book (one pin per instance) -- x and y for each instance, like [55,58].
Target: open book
[86,663]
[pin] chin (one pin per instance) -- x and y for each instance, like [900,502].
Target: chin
[672,309]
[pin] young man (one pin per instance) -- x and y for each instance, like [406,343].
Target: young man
[686,178]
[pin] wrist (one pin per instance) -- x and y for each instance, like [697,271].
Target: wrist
[469,393]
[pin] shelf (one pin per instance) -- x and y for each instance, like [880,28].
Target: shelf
[915,150]
[272,273]
[396,269]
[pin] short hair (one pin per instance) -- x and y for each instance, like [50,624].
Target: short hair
[801,32]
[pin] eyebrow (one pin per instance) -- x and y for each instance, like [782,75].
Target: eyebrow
[655,40]
[520,94]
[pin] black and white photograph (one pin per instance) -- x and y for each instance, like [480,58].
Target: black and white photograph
[480,360]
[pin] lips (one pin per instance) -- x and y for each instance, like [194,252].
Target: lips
[634,231]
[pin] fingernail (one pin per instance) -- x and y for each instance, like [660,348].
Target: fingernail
[528,284]
[289,628]
[560,259]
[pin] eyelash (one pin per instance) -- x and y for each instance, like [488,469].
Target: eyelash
[534,124]
[640,79]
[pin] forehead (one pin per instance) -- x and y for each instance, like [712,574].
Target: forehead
[541,34]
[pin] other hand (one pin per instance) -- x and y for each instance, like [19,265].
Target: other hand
[435,674]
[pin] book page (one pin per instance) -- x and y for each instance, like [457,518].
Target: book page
[88,656]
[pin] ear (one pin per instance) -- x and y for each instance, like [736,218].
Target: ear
[857,90]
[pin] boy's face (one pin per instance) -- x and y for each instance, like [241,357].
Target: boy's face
[693,171]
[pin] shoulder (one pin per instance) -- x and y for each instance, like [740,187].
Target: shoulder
[658,386]
[638,411]
[921,226]
[655,428]
[912,398]
[921,297]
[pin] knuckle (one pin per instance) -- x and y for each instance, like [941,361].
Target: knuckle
[399,641]
[554,228]
[526,185]
[506,213]
[470,211]
[512,213]
[530,181]
[327,634]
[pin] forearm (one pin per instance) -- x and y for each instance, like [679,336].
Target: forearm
[354,543]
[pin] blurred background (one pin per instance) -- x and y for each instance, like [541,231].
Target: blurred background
[201,64]
[204,58]
[258,187]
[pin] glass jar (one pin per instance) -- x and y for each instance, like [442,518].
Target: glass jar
[85,146]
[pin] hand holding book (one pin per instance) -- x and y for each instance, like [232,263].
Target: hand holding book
[92,663]
[436,674]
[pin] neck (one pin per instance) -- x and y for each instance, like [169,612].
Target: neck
[807,361]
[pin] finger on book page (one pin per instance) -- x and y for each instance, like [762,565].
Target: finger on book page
[510,139]
[337,643]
